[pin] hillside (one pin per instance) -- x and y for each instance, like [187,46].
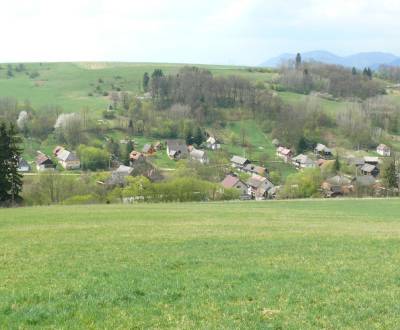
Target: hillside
[290,265]
[68,84]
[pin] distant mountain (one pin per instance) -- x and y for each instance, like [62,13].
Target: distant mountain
[360,60]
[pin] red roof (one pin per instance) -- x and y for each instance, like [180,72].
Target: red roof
[230,181]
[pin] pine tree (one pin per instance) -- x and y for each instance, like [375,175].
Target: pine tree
[146,80]
[198,137]
[389,174]
[337,164]
[298,60]
[10,153]
[354,71]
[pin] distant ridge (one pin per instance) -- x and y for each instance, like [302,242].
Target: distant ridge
[359,60]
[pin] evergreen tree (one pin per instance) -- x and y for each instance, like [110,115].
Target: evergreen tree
[189,136]
[354,71]
[146,80]
[389,174]
[198,137]
[128,150]
[337,164]
[302,145]
[298,60]
[10,153]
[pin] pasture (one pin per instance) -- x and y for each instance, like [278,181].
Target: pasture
[240,265]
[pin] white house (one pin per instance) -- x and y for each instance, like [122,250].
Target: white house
[303,161]
[212,143]
[383,150]
[68,160]
[199,156]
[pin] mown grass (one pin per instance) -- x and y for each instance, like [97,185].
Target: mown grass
[288,265]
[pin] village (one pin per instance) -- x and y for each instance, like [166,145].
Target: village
[251,180]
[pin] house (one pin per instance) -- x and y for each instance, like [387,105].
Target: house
[233,182]
[358,162]
[239,162]
[135,156]
[68,160]
[371,160]
[176,149]
[259,187]
[284,153]
[212,143]
[303,161]
[383,150]
[23,166]
[119,175]
[199,156]
[368,169]
[148,149]
[254,169]
[323,151]
[44,163]
[337,186]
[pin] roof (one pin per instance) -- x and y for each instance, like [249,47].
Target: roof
[41,158]
[368,159]
[368,168]
[57,149]
[383,147]
[197,154]
[67,156]
[322,148]
[23,163]
[284,151]
[259,182]
[124,170]
[303,159]
[255,168]
[339,180]
[177,145]
[211,140]
[239,160]
[230,181]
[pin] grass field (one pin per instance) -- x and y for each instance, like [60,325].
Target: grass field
[68,84]
[269,265]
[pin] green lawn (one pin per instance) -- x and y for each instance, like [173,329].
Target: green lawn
[329,264]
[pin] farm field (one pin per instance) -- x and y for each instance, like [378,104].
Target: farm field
[269,265]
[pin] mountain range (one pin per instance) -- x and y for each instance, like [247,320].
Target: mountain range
[359,60]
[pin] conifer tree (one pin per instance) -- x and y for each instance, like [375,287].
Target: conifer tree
[10,153]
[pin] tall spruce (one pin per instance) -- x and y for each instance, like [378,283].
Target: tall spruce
[389,174]
[298,61]
[10,153]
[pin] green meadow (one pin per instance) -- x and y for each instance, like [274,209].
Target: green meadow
[315,264]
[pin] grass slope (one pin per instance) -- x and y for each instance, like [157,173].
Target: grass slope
[68,84]
[290,265]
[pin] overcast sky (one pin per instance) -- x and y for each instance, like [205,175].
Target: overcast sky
[191,31]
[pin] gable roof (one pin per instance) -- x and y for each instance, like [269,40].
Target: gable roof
[231,181]
[23,163]
[211,140]
[255,169]
[42,159]
[67,156]
[197,154]
[368,168]
[383,147]
[239,160]
[175,146]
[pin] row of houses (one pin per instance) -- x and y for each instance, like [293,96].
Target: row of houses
[256,187]
[243,164]
[67,159]
[177,149]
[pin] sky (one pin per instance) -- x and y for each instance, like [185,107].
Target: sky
[238,32]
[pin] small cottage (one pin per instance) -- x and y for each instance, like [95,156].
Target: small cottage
[239,162]
[323,151]
[23,165]
[233,182]
[68,160]
[284,153]
[303,161]
[368,169]
[212,143]
[254,169]
[383,150]
[259,187]
[44,163]
[198,156]
[176,149]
